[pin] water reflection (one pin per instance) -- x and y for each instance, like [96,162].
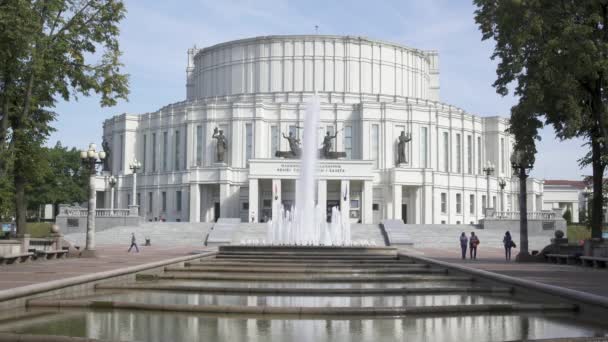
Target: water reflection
[143,326]
[152,297]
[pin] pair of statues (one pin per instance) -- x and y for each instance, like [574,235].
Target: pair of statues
[296,150]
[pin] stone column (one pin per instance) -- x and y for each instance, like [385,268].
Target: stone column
[225,210]
[427,206]
[417,192]
[575,217]
[397,198]
[322,194]
[276,198]
[253,200]
[195,203]
[367,199]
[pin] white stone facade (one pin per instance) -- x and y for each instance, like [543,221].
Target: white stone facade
[255,91]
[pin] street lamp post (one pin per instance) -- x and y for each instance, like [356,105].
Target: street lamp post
[112,182]
[90,158]
[502,183]
[134,166]
[488,170]
[521,168]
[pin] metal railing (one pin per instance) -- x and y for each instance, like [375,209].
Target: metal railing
[514,215]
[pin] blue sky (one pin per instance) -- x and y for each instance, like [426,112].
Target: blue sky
[156,34]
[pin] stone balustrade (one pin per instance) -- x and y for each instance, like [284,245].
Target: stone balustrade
[514,215]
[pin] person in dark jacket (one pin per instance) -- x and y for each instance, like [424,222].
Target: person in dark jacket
[133,243]
[508,242]
[473,242]
[463,245]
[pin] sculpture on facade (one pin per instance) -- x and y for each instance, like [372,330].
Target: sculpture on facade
[294,145]
[403,139]
[221,144]
[106,148]
[327,145]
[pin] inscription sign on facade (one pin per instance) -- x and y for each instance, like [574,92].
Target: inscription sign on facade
[321,169]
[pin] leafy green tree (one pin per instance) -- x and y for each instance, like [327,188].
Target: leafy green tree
[62,180]
[555,53]
[568,216]
[59,48]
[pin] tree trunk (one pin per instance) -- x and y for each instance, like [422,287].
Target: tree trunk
[597,208]
[20,208]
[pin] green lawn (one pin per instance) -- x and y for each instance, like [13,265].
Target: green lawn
[576,233]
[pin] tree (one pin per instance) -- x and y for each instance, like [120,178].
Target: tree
[556,54]
[59,48]
[62,180]
[568,216]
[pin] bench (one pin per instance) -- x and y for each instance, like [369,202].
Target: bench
[51,254]
[569,259]
[15,258]
[599,262]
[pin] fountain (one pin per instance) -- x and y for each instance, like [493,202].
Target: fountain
[306,224]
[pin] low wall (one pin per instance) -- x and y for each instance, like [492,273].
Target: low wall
[535,227]
[78,224]
[8,247]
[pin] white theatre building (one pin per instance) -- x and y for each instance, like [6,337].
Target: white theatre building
[255,90]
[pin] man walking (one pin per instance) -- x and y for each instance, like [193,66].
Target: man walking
[473,242]
[133,243]
[463,245]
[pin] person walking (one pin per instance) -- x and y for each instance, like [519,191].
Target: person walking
[508,242]
[133,243]
[463,245]
[473,243]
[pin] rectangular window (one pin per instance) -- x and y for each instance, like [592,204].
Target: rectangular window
[153,152]
[178,201]
[502,155]
[164,201]
[138,199]
[424,147]
[274,141]
[509,203]
[128,199]
[293,130]
[375,145]
[143,161]
[150,202]
[444,202]
[446,152]
[458,154]
[472,204]
[199,145]
[177,156]
[479,155]
[248,142]
[165,150]
[483,203]
[458,204]
[469,155]
[121,158]
[494,202]
[348,141]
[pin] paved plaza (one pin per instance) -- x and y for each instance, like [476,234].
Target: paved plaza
[110,257]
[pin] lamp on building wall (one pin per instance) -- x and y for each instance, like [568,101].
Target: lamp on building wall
[502,183]
[112,183]
[134,166]
[488,170]
[90,159]
[522,163]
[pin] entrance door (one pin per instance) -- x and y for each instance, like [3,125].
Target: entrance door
[404,213]
[216,211]
[330,205]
